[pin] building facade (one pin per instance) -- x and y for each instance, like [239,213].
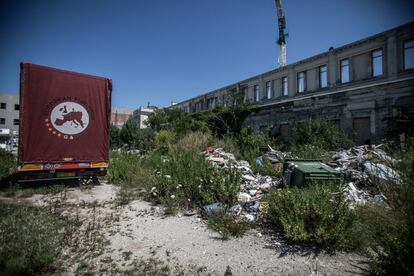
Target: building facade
[141,114]
[366,87]
[9,112]
[119,115]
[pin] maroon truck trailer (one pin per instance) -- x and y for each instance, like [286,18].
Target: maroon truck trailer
[64,124]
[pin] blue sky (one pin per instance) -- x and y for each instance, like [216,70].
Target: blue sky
[162,50]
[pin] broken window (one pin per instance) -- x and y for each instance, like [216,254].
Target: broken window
[16,122]
[301,82]
[269,90]
[377,63]
[409,55]
[245,94]
[284,86]
[2,121]
[256,93]
[323,76]
[344,70]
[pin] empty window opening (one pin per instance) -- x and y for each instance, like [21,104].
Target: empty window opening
[344,70]
[376,63]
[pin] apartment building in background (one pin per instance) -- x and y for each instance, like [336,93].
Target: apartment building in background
[141,114]
[366,87]
[9,112]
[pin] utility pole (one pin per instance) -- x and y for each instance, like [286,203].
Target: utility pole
[282,35]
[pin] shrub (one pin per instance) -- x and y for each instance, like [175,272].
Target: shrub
[227,225]
[114,137]
[223,121]
[187,175]
[195,140]
[7,164]
[30,239]
[137,138]
[268,168]
[250,143]
[321,133]
[391,228]
[317,214]
[175,120]
[164,139]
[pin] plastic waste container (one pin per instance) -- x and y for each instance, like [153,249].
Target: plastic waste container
[302,172]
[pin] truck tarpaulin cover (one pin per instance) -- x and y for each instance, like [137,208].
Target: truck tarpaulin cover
[64,116]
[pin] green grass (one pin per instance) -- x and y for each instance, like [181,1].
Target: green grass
[130,170]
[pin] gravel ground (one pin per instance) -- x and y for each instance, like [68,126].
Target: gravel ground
[140,231]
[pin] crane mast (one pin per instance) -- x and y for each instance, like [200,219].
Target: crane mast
[282,35]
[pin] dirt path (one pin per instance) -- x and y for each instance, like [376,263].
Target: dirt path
[139,231]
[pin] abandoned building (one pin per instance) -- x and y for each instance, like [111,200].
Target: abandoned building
[120,115]
[366,87]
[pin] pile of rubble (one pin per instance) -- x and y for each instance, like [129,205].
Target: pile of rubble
[359,165]
[252,186]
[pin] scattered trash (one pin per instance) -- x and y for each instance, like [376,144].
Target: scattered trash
[359,164]
[189,213]
[248,177]
[236,209]
[259,161]
[215,207]
[380,170]
[275,156]
[243,197]
[250,217]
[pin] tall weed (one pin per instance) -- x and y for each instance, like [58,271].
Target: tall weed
[30,239]
[186,175]
[392,228]
[317,214]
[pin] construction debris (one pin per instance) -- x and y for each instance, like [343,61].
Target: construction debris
[359,165]
[252,186]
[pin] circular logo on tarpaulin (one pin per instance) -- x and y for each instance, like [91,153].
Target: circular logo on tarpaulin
[67,119]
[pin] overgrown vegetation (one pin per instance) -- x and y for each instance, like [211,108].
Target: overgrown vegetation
[175,173]
[130,136]
[7,164]
[31,239]
[390,231]
[183,179]
[320,133]
[317,214]
[227,225]
[193,181]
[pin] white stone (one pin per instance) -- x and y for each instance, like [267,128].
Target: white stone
[243,197]
[265,187]
[248,177]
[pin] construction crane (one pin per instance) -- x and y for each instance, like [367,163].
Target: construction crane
[282,35]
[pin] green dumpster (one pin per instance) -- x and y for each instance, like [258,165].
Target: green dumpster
[302,172]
